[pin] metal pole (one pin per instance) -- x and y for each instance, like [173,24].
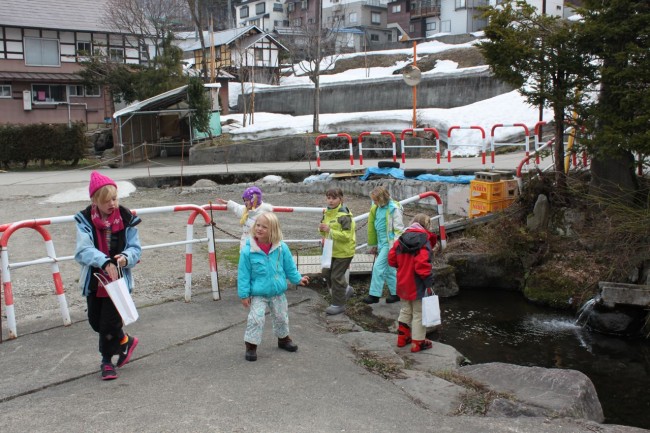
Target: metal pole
[415,91]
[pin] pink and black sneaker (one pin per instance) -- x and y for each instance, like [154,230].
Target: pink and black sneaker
[126,350]
[108,371]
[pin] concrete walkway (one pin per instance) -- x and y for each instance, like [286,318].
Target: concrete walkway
[189,374]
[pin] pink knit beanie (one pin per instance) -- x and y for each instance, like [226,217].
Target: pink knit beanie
[98,180]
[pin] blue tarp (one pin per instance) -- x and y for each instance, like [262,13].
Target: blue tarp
[398,173]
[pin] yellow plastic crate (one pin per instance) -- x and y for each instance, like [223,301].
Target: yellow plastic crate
[486,191]
[510,188]
[482,207]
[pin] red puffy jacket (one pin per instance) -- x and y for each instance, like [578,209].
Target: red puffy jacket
[412,255]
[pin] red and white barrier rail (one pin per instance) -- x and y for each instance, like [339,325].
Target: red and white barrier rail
[440,217]
[518,175]
[481,146]
[413,131]
[37,224]
[378,149]
[494,144]
[7,230]
[342,134]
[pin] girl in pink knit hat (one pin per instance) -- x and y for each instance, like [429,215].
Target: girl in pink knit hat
[107,237]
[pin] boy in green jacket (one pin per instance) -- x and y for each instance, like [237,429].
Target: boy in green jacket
[338,225]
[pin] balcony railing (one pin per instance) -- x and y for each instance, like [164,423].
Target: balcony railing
[425,11]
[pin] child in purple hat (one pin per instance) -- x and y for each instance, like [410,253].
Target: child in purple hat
[249,211]
[107,237]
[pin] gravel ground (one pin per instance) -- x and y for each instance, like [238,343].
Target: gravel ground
[160,275]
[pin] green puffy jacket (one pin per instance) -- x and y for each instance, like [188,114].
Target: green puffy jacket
[342,231]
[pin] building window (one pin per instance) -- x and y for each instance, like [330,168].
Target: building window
[558,7]
[5,91]
[42,52]
[76,91]
[297,22]
[144,52]
[48,93]
[389,37]
[353,17]
[431,26]
[260,8]
[396,9]
[374,38]
[291,7]
[259,55]
[375,18]
[311,20]
[92,91]
[277,7]
[304,5]
[461,4]
[84,48]
[411,28]
[116,54]
[243,12]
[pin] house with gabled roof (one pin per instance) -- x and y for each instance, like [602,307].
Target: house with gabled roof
[245,52]
[42,46]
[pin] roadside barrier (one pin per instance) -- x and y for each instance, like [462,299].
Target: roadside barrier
[519,175]
[413,131]
[6,231]
[481,146]
[494,144]
[379,149]
[319,151]
[37,224]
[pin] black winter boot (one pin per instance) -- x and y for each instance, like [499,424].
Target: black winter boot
[286,344]
[251,351]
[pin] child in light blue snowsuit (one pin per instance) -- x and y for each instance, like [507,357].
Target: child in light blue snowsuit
[385,225]
[265,264]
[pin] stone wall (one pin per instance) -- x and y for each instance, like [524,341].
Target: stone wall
[391,93]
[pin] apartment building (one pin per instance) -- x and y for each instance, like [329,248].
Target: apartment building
[42,46]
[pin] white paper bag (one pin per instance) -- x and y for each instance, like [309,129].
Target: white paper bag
[119,294]
[431,311]
[326,258]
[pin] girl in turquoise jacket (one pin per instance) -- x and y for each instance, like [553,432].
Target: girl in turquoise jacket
[265,264]
[385,225]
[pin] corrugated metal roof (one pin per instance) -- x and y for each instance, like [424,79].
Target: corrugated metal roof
[155,103]
[81,15]
[190,42]
[38,76]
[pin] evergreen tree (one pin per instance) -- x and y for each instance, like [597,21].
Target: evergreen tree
[539,55]
[617,33]
[199,101]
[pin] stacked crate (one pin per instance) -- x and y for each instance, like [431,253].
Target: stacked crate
[489,193]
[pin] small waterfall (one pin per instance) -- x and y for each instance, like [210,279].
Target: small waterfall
[585,311]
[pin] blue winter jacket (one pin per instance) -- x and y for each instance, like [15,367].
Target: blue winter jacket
[265,275]
[92,260]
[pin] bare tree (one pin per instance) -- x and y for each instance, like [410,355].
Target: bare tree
[312,51]
[198,11]
[149,21]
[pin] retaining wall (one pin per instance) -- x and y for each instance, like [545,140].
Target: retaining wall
[391,93]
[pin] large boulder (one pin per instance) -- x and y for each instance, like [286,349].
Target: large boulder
[538,391]
[486,271]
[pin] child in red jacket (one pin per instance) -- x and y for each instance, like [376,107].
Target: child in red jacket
[412,255]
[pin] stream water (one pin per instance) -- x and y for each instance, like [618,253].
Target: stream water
[499,326]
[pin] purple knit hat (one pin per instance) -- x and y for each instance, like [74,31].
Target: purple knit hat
[252,191]
[98,180]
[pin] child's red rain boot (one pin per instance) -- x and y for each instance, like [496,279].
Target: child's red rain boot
[403,334]
[418,345]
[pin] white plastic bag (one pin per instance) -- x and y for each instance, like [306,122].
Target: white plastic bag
[431,311]
[119,294]
[326,258]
